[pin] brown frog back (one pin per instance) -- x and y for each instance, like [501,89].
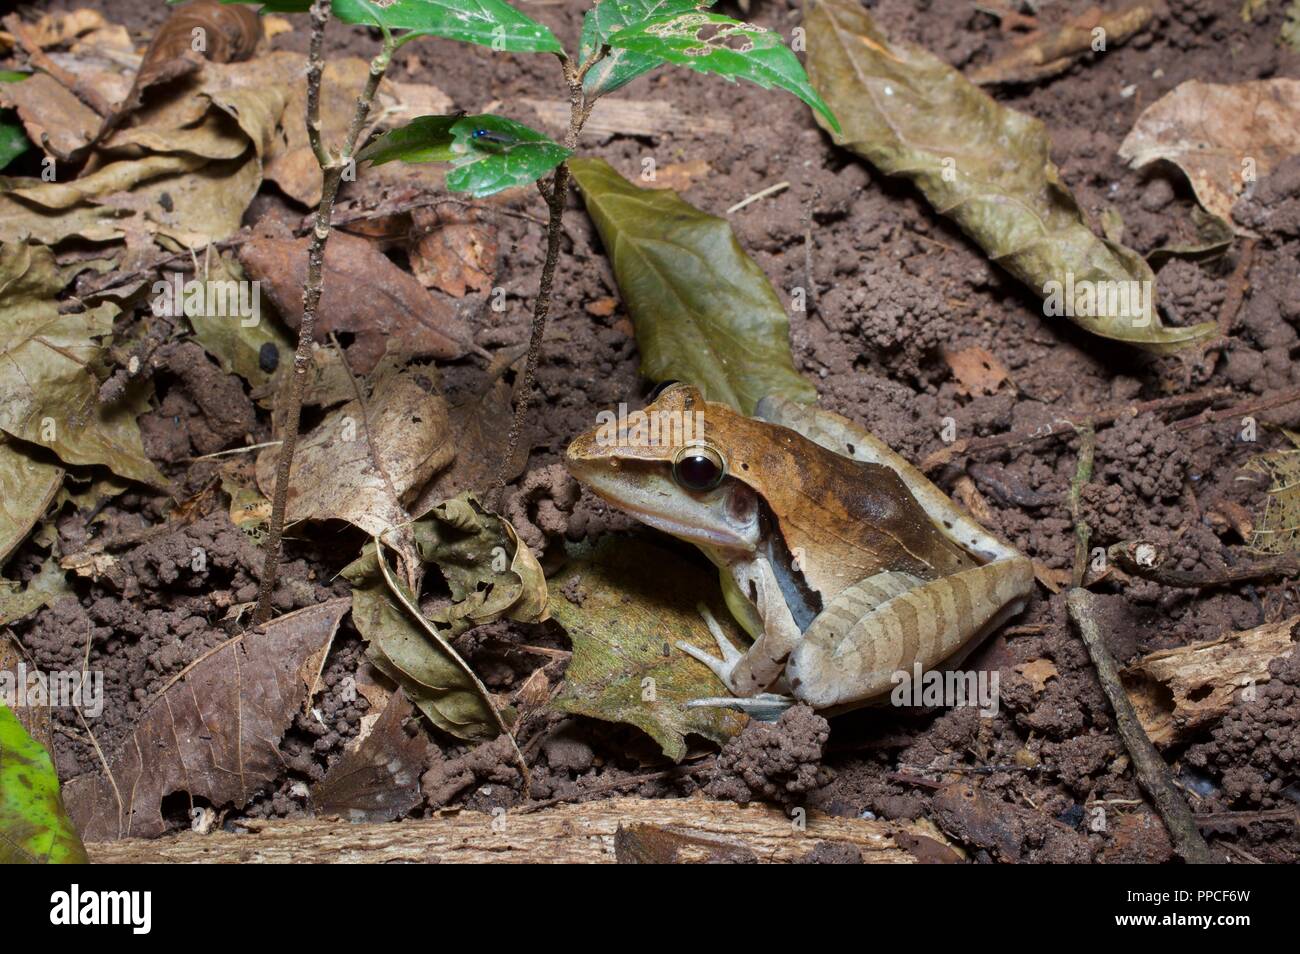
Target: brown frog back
[843,520]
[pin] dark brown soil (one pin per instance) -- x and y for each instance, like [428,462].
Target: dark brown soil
[896,283]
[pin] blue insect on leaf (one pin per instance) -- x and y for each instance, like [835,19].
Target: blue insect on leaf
[488,138]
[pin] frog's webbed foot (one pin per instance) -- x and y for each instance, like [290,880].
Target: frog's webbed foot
[722,668]
[765,707]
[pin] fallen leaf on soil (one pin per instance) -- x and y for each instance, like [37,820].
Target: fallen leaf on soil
[680,176]
[366,458]
[213,731]
[977,369]
[988,168]
[455,252]
[1046,53]
[378,780]
[625,624]
[54,118]
[34,828]
[27,485]
[225,333]
[1224,137]
[704,311]
[1177,691]
[1276,528]
[1038,672]
[17,601]
[490,575]
[48,394]
[56,29]
[364,295]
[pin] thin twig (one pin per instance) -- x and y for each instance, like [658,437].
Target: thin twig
[556,196]
[1147,560]
[1153,774]
[1082,474]
[1265,402]
[770,190]
[332,170]
[1069,423]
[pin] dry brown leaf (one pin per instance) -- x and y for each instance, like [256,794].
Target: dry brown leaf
[378,780]
[53,117]
[453,251]
[1038,672]
[361,462]
[977,370]
[680,176]
[364,295]
[213,731]
[56,29]
[1223,137]
[1176,691]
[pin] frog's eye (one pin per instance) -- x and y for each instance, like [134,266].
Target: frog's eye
[698,468]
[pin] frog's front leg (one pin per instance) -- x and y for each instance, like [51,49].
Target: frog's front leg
[889,622]
[752,672]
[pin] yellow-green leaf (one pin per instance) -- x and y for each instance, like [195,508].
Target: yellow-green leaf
[704,311]
[34,828]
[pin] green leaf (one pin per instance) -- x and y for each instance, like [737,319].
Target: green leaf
[492,23]
[488,153]
[13,140]
[712,43]
[704,311]
[49,391]
[625,624]
[621,66]
[34,828]
[982,164]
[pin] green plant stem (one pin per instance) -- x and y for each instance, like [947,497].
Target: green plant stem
[333,168]
[556,196]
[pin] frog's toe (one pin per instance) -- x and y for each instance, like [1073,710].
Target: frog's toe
[721,667]
[730,654]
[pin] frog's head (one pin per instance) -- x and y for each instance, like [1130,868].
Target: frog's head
[668,466]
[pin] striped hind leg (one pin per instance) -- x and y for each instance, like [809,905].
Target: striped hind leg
[885,624]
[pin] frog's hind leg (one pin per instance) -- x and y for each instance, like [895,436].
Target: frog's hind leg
[871,632]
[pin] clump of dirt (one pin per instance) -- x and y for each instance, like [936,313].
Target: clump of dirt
[773,761]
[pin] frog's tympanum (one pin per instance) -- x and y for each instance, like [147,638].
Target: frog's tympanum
[841,560]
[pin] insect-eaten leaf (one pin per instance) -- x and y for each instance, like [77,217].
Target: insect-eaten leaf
[490,574]
[621,66]
[48,392]
[34,828]
[988,168]
[1276,528]
[493,23]
[625,624]
[713,43]
[487,153]
[704,311]
[1224,137]
[212,732]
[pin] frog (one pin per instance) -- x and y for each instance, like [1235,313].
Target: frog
[844,564]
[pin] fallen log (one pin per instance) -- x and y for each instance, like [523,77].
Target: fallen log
[582,833]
